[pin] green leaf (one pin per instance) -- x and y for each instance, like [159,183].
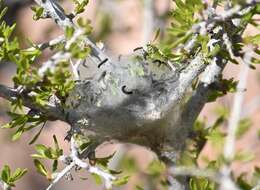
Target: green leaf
[3,12]
[69,31]
[121,181]
[55,166]
[18,133]
[6,126]
[137,187]
[157,34]
[156,168]
[244,156]
[37,135]
[38,12]
[85,25]
[253,39]
[105,160]
[243,127]
[40,168]
[6,174]
[55,142]
[19,173]
[216,137]
[242,183]
[41,149]
[80,5]
[97,178]
[201,184]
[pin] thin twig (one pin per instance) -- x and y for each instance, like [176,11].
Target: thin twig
[76,161]
[52,111]
[61,174]
[229,147]
[56,12]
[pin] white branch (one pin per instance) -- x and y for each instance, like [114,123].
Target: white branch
[4,185]
[76,161]
[55,11]
[108,178]
[229,147]
[60,175]
[257,187]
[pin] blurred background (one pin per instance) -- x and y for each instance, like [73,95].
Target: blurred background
[121,25]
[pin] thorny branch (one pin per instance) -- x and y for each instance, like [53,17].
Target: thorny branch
[53,111]
[76,161]
[56,12]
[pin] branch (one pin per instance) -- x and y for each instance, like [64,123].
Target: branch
[257,187]
[76,161]
[214,70]
[229,147]
[52,111]
[4,185]
[56,12]
[200,96]
[61,174]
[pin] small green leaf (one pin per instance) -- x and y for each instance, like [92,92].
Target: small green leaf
[19,173]
[104,161]
[37,135]
[156,168]
[244,156]
[38,12]
[6,126]
[6,172]
[3,12]
[69,31]
[97,179]
[18,133]
[40,167]
[243,127]
[41,149]
[55,142]
[157,34]
[55,166]
[80,5]
[121,181]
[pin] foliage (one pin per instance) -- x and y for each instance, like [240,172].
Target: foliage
[10,178]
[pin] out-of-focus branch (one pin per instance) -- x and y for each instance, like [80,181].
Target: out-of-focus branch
[52,110]
[229,147]
[257,187]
